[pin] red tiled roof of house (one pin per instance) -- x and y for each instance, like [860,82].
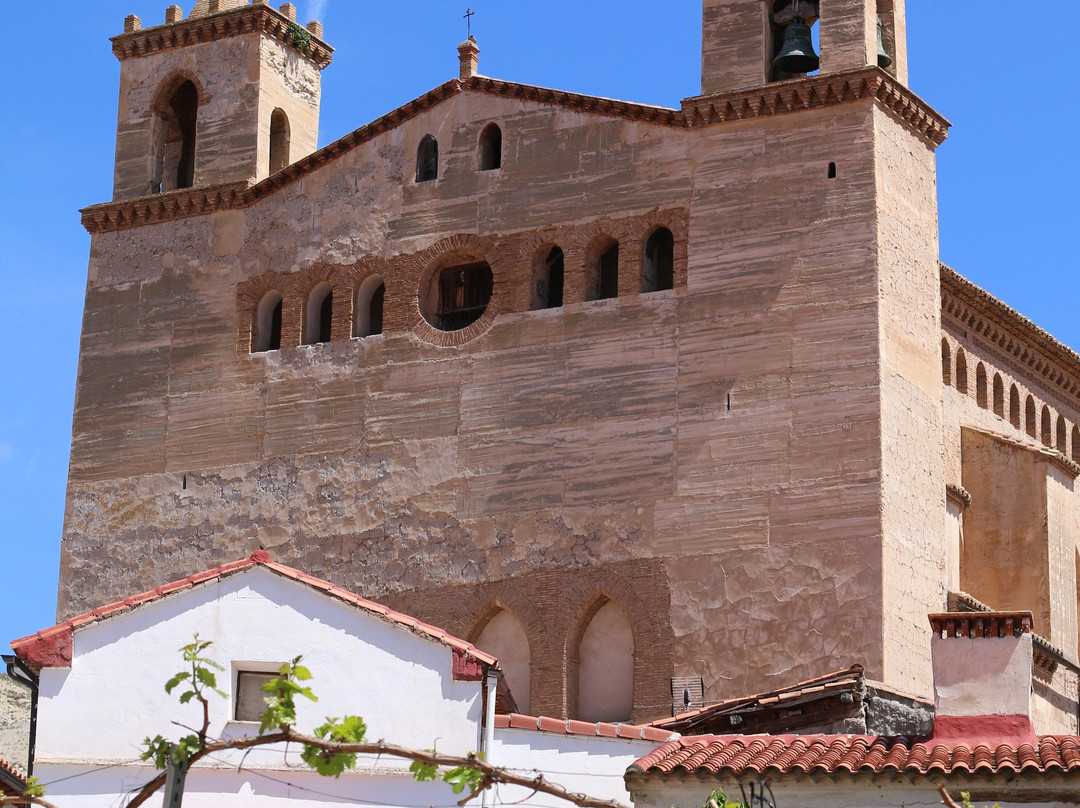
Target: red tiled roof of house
[51,647]
[12,779]
[698,721]
[838,756]
[566,726]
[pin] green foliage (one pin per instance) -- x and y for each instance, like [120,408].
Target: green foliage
[718,799]
[200,677]
[464,777]
[34,789]
[301,37]
[423,772]
[349,729]
[160,750]
[281,693]
[459,778]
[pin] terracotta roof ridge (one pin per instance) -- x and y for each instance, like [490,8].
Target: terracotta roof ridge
[571,726]
[51,647]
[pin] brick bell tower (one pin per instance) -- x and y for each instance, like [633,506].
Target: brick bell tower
[229,94]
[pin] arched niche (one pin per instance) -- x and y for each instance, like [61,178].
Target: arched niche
[606,667]
[504,637]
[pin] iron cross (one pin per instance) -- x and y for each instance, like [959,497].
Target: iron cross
[468,20]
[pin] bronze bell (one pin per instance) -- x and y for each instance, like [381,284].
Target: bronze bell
[883,58]
[797,55]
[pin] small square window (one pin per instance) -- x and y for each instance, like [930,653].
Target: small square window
[250,699]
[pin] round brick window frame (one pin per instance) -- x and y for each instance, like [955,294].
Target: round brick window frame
[445,253]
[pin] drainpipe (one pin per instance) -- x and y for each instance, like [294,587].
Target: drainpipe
[491,684]
[21,673]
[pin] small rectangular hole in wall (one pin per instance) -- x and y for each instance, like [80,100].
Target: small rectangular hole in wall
[832,171]
[183,483]
[729,402]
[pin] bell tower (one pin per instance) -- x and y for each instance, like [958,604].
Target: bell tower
[742,38]
[229,94]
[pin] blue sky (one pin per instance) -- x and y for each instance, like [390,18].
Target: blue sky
[1008,175]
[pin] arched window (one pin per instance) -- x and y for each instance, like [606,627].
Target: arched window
[946,363]
[279,140]
[980,385]
[266,331]
[319,314]
[504,637]
[961,371]
[1046,430]
[174,160]
[1062,436]
[369,307]
[659,272]
[1076,443]
[999,396]
[427,159]
[1014,406]
[491,148]
[606,672]
[1029,417]
[548,271]
[602,269]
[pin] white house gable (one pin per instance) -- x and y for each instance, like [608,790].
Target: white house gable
[362,663]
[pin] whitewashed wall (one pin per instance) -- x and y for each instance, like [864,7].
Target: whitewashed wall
[96,713]
[588,764]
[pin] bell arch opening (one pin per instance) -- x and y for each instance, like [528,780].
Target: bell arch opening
[280,133]
[175,130]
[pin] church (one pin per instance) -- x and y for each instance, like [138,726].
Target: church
[588,383]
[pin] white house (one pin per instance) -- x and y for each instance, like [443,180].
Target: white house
[102,678]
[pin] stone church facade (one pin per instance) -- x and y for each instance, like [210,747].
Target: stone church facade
[590,380]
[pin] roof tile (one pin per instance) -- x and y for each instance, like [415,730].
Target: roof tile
[854,755]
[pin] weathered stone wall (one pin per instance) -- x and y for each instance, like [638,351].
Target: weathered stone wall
[713,453]
[14,721]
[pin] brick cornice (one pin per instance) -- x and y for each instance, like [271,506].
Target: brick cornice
[243,20]
[1013,333]
[813,92]
[773,99]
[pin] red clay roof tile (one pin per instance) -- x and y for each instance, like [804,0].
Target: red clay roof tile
[574,727]
[839,755]
[51,647]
